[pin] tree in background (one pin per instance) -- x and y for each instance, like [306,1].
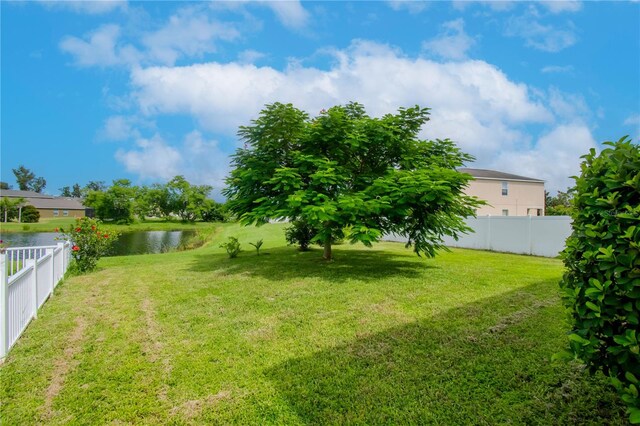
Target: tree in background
[560,205]
[188,201]
[346,171]
[116,203]
[76,192]
[27,180]
[4,185]
[9,208]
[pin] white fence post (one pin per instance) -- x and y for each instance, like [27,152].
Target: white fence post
[48,252]
[4,306]
[33,263]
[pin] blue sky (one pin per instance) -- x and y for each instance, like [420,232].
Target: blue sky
[149,90]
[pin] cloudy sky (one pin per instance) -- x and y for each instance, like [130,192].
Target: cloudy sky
[148,90]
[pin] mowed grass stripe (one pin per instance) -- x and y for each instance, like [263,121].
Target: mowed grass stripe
[379,336]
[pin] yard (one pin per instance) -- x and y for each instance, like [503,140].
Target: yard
[379,336]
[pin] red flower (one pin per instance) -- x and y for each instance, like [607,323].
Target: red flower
[78,229]
[56,230]
[93,227]
[106,235]
[75,248]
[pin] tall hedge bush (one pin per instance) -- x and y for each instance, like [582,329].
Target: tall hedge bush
[601,285]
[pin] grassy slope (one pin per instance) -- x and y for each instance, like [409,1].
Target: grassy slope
[49,225]
[378,336]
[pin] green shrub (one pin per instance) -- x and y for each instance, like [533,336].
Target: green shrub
[30,214]
[90,243]
[601,285]
[299,233]
[232,246]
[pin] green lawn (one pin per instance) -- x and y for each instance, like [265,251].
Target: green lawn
[49,225]
[379,336]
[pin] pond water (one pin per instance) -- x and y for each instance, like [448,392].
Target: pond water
[138,242]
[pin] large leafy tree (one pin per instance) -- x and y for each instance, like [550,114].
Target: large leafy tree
[349,175]
[188,201]
[116,203]
[27,180]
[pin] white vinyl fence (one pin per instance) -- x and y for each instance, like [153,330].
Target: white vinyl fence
[28,276]
[535,235]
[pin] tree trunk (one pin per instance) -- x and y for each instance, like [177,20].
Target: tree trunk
[327,249]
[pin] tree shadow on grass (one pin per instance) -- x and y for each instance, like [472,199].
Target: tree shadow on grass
[484,363]
[284,263]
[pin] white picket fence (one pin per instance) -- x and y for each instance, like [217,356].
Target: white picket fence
[534,235]
[28,276]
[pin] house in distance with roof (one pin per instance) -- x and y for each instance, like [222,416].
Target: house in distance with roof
[48,205]
[505,193]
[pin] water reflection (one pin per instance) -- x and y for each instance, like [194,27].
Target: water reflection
[139,242]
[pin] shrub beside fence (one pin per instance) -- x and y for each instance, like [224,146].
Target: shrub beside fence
[534,235]
[28,276]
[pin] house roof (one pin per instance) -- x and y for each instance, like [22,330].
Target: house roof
[56,203]
[44,201]
[12,193]
[495,175]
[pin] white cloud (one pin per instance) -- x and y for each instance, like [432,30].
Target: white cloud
[199,160]
[555,157]
[473,102]
[94,7]
[557,69]
[152,159]
[119,128]
[568,107]
[187,33]
[452,42]
[250,56]
[632,120]
[545,37]
[559,6]
[497,6]
[290,13]
[100,49]
[412,6]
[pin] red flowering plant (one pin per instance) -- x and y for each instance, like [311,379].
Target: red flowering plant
[89,242]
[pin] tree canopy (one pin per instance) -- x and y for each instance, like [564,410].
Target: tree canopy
[27,180]
[349,175]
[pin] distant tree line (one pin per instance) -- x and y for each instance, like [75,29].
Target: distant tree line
[177,199]
[122,202]
[561,204]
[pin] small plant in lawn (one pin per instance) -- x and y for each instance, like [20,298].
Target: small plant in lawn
[257,245]
[89,242]
[232,246]
[299,233]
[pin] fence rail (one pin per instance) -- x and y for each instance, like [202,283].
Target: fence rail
[28,276]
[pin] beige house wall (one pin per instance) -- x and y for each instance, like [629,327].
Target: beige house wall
[523,198]
[48,213]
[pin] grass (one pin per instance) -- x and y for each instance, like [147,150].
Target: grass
[378,336]
[48,225]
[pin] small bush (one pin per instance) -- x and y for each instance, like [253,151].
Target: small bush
[299,233]
[232,246]
[601,285]
[26,227]
[30,214]
[90,243]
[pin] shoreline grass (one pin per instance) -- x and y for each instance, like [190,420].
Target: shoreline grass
[49,225]
[378,336]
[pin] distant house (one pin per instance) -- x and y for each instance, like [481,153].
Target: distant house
[48,205]
[506,194]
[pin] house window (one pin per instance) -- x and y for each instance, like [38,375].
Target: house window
[65,212]
[56,212]
[505,188]
[505,212]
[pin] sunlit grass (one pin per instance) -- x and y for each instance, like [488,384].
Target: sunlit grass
[378,336]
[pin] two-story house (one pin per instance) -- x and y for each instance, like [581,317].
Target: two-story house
[506,194]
